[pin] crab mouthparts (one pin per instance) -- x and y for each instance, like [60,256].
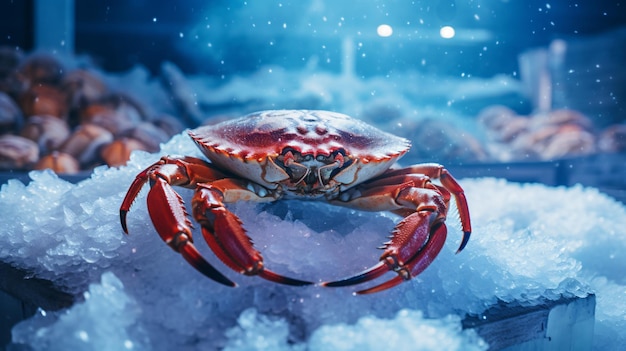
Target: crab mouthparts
[311,171]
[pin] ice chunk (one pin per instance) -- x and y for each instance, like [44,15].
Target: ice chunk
[106,320]
[259,332]
[408,330]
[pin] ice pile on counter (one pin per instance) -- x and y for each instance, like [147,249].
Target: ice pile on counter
[529,241]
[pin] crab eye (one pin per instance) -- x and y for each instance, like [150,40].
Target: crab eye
[341,152]
[288,150]
[344,163]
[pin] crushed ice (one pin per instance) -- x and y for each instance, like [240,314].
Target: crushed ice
[529,241]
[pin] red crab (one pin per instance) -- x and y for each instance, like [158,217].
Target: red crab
[307,155]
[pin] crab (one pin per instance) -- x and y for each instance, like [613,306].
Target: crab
[307,155]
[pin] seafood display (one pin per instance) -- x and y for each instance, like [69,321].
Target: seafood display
[542,136]
[69,120]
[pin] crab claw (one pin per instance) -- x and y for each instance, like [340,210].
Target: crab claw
[172,224]
[226,237]
[194,258]
[280,279]
[221,229]
[170,221]
[464,241]
[413,247]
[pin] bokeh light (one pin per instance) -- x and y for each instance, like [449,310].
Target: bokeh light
[447,32]
[384,30]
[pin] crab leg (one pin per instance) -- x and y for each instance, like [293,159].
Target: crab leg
[420,236]
[173,226]
[224,232]
[183,171]
[171,221]
[398,254]
[437,171]
[221,229]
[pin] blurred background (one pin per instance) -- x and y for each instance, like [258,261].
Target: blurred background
[245,35]
[527,90]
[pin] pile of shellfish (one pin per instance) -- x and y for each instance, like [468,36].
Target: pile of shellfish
[550,135]
[69,120]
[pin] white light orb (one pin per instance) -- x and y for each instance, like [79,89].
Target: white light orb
[447,32]
[384,30]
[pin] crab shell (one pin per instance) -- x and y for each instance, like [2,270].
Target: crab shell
[247,146]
